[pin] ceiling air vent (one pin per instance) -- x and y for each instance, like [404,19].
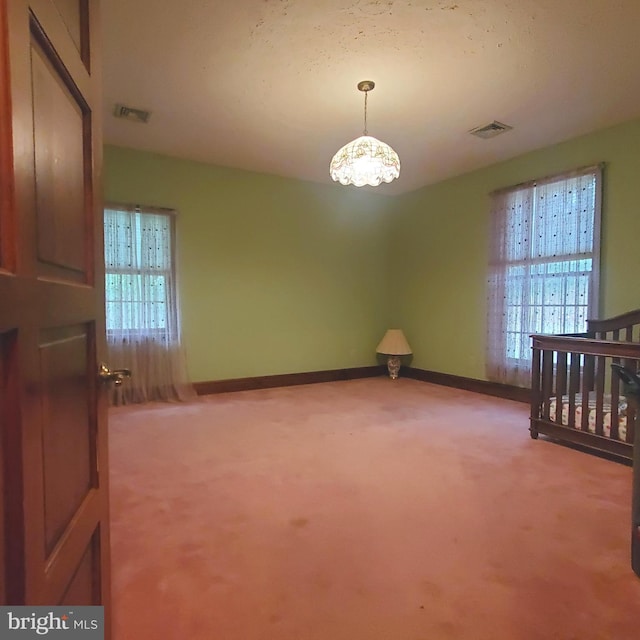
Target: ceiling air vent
[129,113]
[490,130]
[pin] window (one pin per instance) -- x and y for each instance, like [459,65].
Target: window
[139,273]
[543,271]
[141,304]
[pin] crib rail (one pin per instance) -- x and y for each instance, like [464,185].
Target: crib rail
[578,368]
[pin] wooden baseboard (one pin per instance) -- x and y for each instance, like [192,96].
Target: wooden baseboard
[506,391]
[333,375]
[286,379]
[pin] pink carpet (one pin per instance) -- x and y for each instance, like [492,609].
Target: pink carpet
[363,510]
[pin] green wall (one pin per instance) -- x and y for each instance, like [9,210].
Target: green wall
[275,275]
[439,245]
[280,276]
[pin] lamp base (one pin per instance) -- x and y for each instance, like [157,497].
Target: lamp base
[393,365]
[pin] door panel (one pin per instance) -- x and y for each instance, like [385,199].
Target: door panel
[60,123]
[49,24]
[68,446]
[72,13]
[54,440]
[82,588]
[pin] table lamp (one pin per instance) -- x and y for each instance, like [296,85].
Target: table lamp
[394,345]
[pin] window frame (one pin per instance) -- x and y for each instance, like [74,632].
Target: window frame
[170,333]
[499,269]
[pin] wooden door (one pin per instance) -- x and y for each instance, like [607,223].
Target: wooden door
[53,432]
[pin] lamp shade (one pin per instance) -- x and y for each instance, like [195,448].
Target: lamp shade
[365,161]
[394,344]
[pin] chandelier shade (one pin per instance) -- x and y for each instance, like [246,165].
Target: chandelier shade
[365,160]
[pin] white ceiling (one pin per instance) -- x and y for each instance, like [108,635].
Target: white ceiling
[270,85]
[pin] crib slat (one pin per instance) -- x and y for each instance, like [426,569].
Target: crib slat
[631,424]
[561,383]
[589,371]
[547,381]
[632,365]
[535,386]
[615,394]
[631,412]
[587,386]
[574,387]
[599,390]
[615,403]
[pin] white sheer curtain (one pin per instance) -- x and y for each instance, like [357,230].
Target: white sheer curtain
[543,267]
[143,329]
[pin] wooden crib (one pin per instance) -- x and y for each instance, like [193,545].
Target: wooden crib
[574,395]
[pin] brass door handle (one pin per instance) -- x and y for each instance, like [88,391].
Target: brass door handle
[113,375]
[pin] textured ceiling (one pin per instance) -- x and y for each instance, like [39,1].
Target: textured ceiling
[270,85]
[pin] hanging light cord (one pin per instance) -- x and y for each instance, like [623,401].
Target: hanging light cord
[365,112]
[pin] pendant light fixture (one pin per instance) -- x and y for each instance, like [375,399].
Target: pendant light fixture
[365,160]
